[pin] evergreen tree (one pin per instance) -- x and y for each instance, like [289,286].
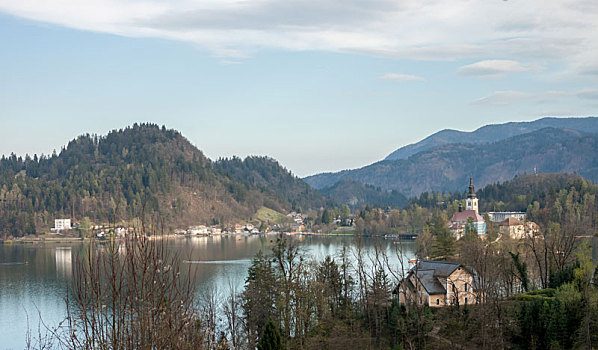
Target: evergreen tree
[271,338]
[326,216]
[259,296]
[444,242]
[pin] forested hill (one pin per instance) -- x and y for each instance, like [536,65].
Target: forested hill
[269,176]
[517,194]
[447,167]
[355,194]
[493,133]
[144,166]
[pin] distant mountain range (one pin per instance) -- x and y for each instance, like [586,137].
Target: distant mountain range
[442,164]
[493,133]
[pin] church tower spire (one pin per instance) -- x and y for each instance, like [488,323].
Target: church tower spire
[471,189]
[471,203]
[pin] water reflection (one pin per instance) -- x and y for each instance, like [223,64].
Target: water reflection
[64,262]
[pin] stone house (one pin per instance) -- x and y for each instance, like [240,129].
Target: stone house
[512,227]
[438,284]
[516,229]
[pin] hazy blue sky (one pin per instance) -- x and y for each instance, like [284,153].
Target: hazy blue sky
[318,85]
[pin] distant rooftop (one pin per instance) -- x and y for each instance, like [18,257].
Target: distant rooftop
[462,216]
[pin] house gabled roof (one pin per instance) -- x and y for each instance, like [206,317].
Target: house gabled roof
[462,216]
[427,280]
[430,282]
[440,268]
[429,274]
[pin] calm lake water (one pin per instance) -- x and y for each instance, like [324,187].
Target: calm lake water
[39,287]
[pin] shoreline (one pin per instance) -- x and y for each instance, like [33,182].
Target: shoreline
[34,240]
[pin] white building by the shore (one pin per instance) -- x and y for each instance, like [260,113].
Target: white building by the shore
[62,225]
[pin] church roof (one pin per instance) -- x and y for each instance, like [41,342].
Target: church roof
[510,222]
[462,216]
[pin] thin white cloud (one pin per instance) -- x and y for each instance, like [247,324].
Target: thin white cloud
[502,98]
[540,98]
[400,77]
[564,31]
[496,68]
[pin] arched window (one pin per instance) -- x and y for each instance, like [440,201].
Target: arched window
[465,300]
[437,301]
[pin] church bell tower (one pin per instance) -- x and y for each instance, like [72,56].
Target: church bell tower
[471,203]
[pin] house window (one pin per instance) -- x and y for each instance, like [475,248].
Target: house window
[466,287]
[437,301]
[465,300]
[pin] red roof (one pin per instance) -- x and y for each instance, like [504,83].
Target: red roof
[462,216]
[510,222]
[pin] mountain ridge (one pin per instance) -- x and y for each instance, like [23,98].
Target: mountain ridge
[492,133]
[446,167]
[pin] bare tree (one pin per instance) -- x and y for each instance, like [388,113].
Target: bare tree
[232,308]
[130,295]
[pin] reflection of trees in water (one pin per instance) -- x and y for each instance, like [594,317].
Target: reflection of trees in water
[64,262]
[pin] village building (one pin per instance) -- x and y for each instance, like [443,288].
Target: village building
[61,225]
[469,218]
[531,228]
[121,231]
[238,228]
[516,229]
[215,230]
[438,284]
[512,227]
[499,216]
[197,230]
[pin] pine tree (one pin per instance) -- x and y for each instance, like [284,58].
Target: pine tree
[271,338]
[444,243]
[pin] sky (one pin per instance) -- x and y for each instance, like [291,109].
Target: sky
[319,85]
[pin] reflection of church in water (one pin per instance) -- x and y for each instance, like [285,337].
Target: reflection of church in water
[469,216]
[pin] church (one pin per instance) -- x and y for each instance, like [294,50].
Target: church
[470,216]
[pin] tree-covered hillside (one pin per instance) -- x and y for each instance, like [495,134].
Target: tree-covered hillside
[355,194]
[269,176]
[119,175]
[513,195]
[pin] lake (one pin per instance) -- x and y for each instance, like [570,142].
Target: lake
[34,277]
